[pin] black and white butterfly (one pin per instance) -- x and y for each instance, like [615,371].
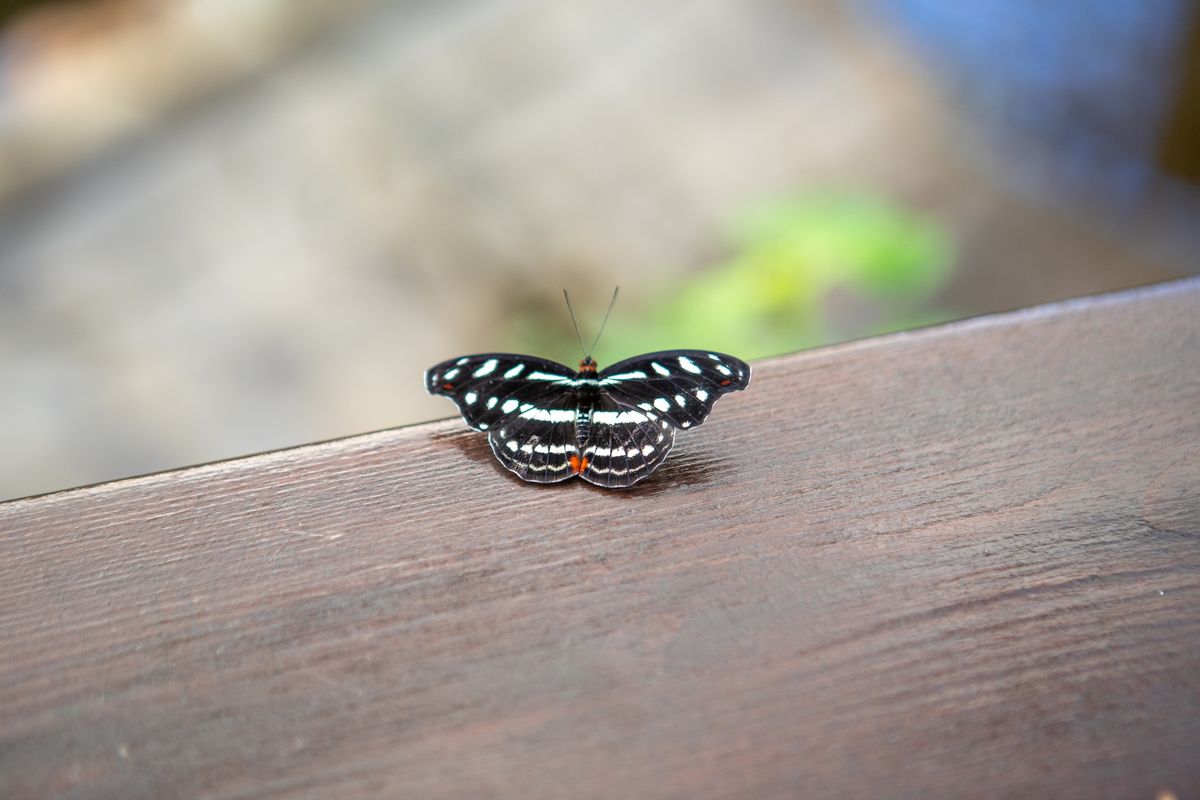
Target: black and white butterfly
[547,422]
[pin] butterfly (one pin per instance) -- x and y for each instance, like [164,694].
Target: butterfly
[547,422]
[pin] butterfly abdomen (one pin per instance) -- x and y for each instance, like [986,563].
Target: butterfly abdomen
[587,392]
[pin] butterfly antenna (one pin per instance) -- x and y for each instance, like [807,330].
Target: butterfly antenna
[571,311]
[611,303]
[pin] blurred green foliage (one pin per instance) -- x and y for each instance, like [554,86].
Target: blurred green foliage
[803,272]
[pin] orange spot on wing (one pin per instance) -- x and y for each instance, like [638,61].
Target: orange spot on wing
[447,385]
[726,382]
[578,465]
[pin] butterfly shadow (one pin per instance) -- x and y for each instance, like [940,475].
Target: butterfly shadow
[681,471]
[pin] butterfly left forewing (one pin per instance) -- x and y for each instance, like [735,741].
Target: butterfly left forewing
[491,387]
[679,385]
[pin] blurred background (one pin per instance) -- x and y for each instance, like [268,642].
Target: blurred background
[235,225]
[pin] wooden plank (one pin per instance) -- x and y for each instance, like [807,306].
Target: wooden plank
[960,561]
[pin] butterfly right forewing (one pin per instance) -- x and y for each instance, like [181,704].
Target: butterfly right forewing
[679,385]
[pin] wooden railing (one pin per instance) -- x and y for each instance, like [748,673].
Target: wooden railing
[963,561]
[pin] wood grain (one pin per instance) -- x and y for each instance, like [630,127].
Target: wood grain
[963,561]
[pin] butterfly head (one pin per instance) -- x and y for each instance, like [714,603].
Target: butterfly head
[587,365]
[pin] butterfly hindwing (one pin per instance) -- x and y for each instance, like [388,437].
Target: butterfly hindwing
[492,387]
[679,385]
[536,450]
[625,444]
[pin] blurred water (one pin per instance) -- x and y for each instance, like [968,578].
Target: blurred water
[1076,91]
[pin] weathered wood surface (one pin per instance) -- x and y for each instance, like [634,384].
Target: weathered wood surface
[962,561]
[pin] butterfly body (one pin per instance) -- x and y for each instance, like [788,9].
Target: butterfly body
[547,422]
